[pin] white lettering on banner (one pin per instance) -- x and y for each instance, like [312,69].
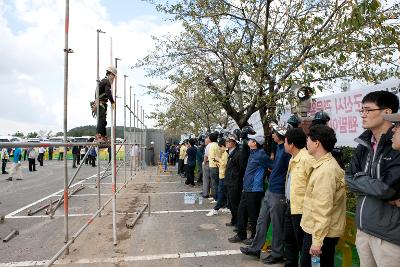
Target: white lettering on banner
[343,110]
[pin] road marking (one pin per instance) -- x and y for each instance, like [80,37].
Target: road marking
[8,216]
[47,216]
[158,183]
[108,213]
[138,193]
[177,211]
[197,254]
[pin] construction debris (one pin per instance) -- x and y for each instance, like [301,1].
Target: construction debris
[11,235]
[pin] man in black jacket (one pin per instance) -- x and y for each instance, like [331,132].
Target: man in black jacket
[234,177]
[105,94]
[373,174]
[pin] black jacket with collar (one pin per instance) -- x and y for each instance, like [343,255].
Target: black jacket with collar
[235,169]
[375,178]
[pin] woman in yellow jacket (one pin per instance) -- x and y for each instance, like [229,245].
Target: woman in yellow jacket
[324,207]
[221,160]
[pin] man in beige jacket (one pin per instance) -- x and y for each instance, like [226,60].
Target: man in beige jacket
[324,207]
[298,174]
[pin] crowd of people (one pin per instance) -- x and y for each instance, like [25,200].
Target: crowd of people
[299,186]
[38,155]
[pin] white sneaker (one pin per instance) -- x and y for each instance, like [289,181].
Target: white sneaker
[225,210]
[210,198]
[212,213]
[213,202]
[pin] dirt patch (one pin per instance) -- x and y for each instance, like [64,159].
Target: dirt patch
[145,188]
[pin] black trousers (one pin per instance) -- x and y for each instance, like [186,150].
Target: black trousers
[40,158]
[190,174]
[51,155]
[3,165]
[233,194]
[180,166]
[293,238]
[102,120]
[328,251]
[249,208]
[32,164]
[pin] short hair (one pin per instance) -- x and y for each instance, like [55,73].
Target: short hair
[213,136]
[383,99]
[325,135]
[297,137]
[192,142]
[221,142]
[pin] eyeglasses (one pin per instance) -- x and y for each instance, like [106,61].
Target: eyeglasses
[366,111]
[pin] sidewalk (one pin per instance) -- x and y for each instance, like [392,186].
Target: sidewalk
[174,234]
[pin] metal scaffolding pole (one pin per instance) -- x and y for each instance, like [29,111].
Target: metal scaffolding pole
[139,132]
[113,159]
[134,129]
[98,113]
[125,127]
[130,125]
[143,141]
[66,52]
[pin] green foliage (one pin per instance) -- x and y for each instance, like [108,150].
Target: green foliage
[19,134]
[59,134]
[32,135]
[247,54]
[351,197]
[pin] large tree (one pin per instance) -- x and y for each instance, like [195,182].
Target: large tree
[250,53]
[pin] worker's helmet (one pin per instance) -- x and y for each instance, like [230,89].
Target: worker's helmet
[294,121]
[112,70]
[321,117]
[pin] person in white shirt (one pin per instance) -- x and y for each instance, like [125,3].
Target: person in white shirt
[41,155]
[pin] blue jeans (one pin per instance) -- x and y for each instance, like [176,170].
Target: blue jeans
[221,196]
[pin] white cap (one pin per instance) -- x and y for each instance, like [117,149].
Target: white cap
[151,143]
[112,70]
[258,138]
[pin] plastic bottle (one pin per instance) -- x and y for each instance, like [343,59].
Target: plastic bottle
[315,261]
[200,200]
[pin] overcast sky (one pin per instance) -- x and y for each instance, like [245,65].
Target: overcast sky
[32,58]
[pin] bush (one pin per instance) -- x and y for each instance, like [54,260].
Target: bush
[351,197]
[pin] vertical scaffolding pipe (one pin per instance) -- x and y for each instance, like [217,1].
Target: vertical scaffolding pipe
[125,127]
[130,125]
[114,160]
[66,51]
[143,139]
[98,113]
[139,133]
[134,128]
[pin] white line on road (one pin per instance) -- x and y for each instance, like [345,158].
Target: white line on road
[119,213]
[8,216]
[138,193]
[198,254]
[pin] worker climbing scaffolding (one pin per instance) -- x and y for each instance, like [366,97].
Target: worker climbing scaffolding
[105,95]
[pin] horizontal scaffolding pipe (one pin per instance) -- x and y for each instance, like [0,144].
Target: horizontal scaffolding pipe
[57,144]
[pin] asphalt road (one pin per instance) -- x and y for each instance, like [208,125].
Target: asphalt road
[174,234]
[39,236]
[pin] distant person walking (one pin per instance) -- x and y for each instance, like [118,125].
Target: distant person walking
[75,155]
[51,149]
[32,159]
[4,160]
[105,95]
[16,167]
[41,155]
